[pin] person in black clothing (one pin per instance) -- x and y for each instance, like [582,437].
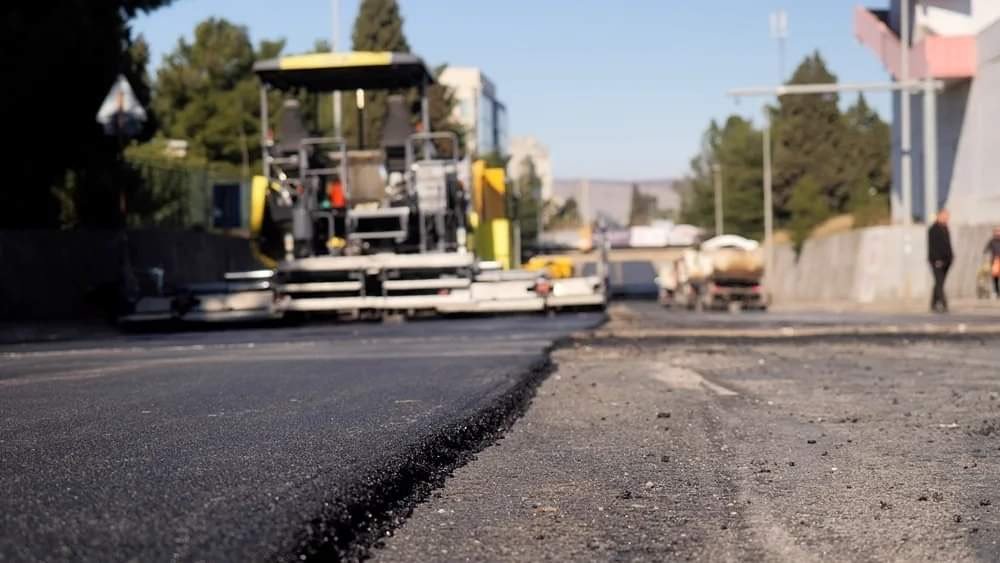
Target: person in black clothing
[940,256]
[993,249]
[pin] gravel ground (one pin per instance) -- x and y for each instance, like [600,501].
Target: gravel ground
[860,449]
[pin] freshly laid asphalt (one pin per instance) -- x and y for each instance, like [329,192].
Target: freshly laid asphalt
[254,444]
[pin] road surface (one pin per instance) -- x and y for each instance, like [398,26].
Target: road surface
[655,442]
[249,445]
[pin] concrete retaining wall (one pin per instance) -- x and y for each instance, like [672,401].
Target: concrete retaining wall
[877,265]
[75,274]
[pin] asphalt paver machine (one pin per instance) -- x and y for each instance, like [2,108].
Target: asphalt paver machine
[355,229]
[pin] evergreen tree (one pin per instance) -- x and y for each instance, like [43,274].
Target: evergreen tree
[736,149]
[811,139]
[379,27]
[825,162]
[529,208]
[206,92]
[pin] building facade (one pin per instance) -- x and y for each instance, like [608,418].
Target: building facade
[956,42]
[478,110]
[524,148]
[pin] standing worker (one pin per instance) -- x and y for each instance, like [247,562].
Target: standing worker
[940,256]
[993,249]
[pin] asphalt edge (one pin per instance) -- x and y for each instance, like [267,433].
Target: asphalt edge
[349,531]
[634,337]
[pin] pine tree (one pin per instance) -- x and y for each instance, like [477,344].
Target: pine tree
[206,92]
[379,27]
[736,149]
[825,162]
[811,139]
[529,208]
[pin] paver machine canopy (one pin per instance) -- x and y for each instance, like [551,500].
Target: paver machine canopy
[317,197]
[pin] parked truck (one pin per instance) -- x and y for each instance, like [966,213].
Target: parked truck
[722,273]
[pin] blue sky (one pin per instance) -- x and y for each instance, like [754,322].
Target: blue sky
[618,89]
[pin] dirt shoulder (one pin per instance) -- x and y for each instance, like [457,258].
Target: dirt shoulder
[857,449]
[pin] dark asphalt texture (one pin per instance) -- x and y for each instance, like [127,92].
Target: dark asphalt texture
[247,445]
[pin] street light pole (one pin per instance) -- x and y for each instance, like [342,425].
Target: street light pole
[717,174]
[334,45]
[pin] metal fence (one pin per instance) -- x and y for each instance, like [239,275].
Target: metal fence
[177,195]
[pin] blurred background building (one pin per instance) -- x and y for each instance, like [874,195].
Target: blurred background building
[957,42]
[478,110]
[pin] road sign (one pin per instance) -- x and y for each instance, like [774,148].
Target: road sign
[121,114]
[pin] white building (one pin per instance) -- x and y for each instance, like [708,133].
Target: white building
[524,148]
[478,109]
[957,42]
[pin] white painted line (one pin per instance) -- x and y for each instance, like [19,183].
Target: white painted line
[688,379]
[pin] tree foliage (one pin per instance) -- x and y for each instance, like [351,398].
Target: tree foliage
[810,138]
[870,174]
[379,27]
[60,58]
[206,92]
[529,204]
[736,149]
[826,162]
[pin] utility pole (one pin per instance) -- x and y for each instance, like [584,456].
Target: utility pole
[905,142]
[717,176]
[334,45]
[768,207]
[930,152]
[930,145]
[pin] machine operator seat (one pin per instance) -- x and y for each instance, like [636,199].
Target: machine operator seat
[395,132]
[291,129]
